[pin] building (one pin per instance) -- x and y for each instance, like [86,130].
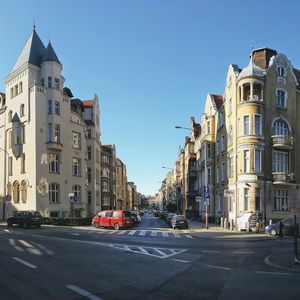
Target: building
[132,195]
[121,184]
[247,149]
[43,132]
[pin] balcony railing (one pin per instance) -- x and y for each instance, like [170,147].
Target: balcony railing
[51,145]
[282,141]
[283,177]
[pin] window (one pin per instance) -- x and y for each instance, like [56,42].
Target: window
[57,108]
[98,157]
[257,124]
[89,152]
[246,125]
[57,83]
[49,82]
[89,198]
[76,140]
[16,90]
[53,193]
[246,161]
[10,116]
[24,191]
[17,136]
[98,177]
[10,165]
[49,107]
[208,150]
[257,199]
[89,133]
[208,127]
[50,132]
[229,200]
[246,199]
[106,201]
[280,162]
[208,175]
[53,163]
[89,175]
[222,143]
[76,167]
[218,146]
[218,174]
[281,98]
[16,192]
[230,135]
[230,169]
[42,82]
[220,203]
[57,133]
[281,71]
[257,161]
[105,186]
[76,190]
[22,110]
[281,200]
[223,172]
[105,159]
[281,128]
[23,163]
[22,134]
[230,106]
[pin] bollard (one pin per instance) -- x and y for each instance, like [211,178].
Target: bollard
[248,227]
[270,222]
[280,229]
[231,225]
[222,222]
[225,223]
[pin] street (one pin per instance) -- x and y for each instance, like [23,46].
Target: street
[148,261]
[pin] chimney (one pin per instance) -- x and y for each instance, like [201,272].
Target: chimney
[261,57]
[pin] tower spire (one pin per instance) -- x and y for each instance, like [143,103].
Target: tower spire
[34,23]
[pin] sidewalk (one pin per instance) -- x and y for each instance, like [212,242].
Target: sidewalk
[284,261]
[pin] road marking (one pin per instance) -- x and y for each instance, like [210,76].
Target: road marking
[243,252]
[272,273]
[112,232]
[142,232]
[132,232]
[100,232]
[181,260]
[122,232]
[13,244]
[74,233]
[24,262]
[218,267]
[6,230]
[165,234]
[82,292]
[160,252]
[143,250]
[26,244]
[153,233]
[176,235]
[48,252]
[189,236]
[210,251]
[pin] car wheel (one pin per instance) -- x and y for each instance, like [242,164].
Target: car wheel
[96,224]
[9,223]
[25,225]
[273,232]
[187,227]
[174,227]
[116,226]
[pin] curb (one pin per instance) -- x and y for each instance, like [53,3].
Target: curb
[268,262]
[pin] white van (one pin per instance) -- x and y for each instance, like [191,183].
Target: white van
[245,219]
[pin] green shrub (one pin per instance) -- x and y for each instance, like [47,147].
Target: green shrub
[68,221]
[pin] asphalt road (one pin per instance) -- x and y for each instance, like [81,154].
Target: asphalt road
[148,261]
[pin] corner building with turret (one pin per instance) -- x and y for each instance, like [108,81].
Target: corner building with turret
[50,140]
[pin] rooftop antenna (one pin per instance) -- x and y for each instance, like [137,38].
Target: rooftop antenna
[49,37]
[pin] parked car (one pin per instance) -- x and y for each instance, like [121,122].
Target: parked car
[288,227]
[25,219]
[179,221]
[164,214]
[113,218]
[135,216]
[155,213]
[169,217]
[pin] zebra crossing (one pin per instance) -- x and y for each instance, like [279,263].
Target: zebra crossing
[144,233]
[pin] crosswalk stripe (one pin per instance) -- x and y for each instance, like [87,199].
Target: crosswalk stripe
[165,234]
[142,232]
[132,232]
[99,232]
[122,232]
[189,236]
[153,233]
[112,232]
[176,235]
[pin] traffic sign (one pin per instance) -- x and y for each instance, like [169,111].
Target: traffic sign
[206,192]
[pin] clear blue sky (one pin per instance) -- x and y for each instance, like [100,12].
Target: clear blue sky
[150,62]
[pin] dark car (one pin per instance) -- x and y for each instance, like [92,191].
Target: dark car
[179,221]
[25,219]
[288,227]
[135,217]
[169,217]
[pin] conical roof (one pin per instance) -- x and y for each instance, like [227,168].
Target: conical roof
[252,70]
[31,52]
[49,54]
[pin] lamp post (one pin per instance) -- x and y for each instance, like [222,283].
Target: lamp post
[4,182]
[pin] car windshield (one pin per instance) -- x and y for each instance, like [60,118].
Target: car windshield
[180,218]
[133,213]
[127,213]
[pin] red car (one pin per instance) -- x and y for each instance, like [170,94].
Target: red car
[113,218]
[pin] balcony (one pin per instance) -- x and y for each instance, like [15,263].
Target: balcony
[51,145]
[283,178]
[283,142]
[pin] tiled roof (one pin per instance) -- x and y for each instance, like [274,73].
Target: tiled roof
[89,103]
[252,70]
[218,100]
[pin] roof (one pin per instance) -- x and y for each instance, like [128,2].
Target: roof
[31,52]
[68,92]
[297,74]
[218,100]
[16,118]
[252,70]
[89,103]
[2,95]
[49,55]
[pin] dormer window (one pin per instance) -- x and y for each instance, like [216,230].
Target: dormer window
[281,71]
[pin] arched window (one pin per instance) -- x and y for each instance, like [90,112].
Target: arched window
[76,189]
[22,110]
[53,193]
[24,191]
[16,192]
[281,71]
[281,128]
[10,116]
[9,189]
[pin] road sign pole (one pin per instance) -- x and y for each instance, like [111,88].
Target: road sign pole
[206,215]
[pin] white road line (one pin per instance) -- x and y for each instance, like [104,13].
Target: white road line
[122,232]
[74,233]
[100,232]
[132,232]
[112,232]
[160,252]
[153,233]
[26,244]
[272,273]
[13,244]
[218,267]
[243,252]
[189,236]
[142,232]
[24,262]
[181,260]
[210,251]
[6,230]
[143,250]
[82,292]
[165,234]
[176,235]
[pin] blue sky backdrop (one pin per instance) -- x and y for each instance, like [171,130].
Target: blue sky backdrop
[150,62]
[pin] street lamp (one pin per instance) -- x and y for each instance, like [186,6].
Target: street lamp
[4,182]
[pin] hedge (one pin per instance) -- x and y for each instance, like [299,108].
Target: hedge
[68,221]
